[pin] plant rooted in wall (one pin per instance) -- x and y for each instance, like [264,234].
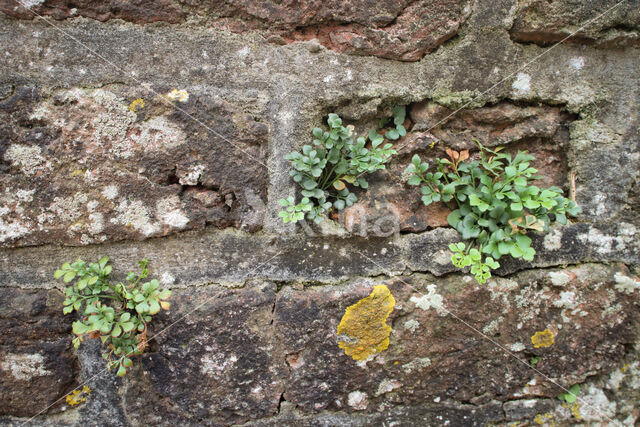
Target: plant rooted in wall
[117,313]
[335,162]
[571,395]
[494,205]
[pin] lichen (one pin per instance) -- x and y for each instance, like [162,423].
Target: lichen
[78,396]
[387,385]
[626,284]
[178,95]
[363,327]
[10,230]
[191,175]
[522,84]
[546,418]
[606,244]
[96,224]
[596,406]
[12,221]
[611,307]
[24,367]
[169,211]
[585,133]
[27,158]
[542,339]
[574,408]
[110,192]
[214,364]
[431,299]
[135,214]
[559,278]
[553,240]
[358,400]
[493,327]
[518,346]
[68,209]
[28,4]
[567,300]
[411,325]
[155,134]
[416,364]
[136,105]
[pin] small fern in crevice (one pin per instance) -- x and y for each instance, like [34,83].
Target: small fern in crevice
[493,205]
[117,313]
[335,162]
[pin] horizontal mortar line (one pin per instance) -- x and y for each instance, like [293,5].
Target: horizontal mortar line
[287,244]
[213,240]
[314,283]
[211,232]
[533,267]
[448,404]
[541,267]
[431,409]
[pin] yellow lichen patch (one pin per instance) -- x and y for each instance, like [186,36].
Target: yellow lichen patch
[542,339]
[364,326]
[178,95]
[78,396]
[546,419]
[136,105]
[574,408]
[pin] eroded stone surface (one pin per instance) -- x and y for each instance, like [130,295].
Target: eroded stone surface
[36,362]
[430,414]
[219,366]
[440,360]
[140,11]
[193,258]
[454,360]
[253,354]
[543,22]
[403,30]
[87,166]
[570,244]
[200,258]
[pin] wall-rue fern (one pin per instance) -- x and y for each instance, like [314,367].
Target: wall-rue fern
[493,205]
[117,313]
[327,169]
[571,395]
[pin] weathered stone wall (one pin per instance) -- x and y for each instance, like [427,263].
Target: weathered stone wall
[158,129]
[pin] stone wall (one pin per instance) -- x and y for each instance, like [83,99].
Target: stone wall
[158,129]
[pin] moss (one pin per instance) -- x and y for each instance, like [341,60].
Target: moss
[456,100]
[364,327]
